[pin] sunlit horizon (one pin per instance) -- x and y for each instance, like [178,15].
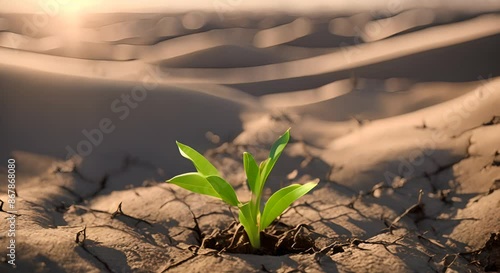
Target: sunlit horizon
[293,6]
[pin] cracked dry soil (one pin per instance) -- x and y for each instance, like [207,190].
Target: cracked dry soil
[115,215]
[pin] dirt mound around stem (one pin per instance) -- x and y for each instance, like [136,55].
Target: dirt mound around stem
[278,240]
[488,257]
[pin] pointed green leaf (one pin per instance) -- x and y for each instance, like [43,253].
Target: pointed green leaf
[262,165]
[259,183]
[224,189]
[279,145]
[250,225]
[281,199]
[200,162]
[276,150]
[194,182]
[251,169]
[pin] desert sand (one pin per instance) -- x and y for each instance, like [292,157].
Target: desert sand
[396,113]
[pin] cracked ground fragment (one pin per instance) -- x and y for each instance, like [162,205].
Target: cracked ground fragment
[52,214]
[159,227]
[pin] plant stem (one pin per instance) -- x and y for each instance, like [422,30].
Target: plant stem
[255,205]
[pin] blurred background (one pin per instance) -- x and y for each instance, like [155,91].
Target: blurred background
[96,78]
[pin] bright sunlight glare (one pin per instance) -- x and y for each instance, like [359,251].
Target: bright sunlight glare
[76,7]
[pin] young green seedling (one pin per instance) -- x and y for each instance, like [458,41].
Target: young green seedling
[208,181]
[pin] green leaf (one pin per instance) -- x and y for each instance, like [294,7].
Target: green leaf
[224,189]
[279,145]
[200,162]
[251,169]
[262,165]
[281,199]
[250,225]
[194,182]
[259,183]
[276,150]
